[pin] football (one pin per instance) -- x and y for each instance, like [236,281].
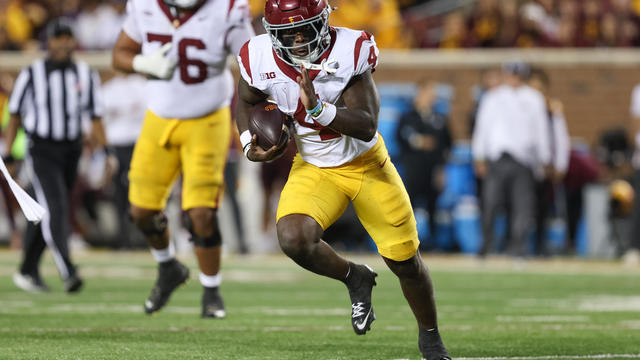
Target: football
[269,124]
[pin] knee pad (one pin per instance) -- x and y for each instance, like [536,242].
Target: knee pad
[155,225]
[208,242]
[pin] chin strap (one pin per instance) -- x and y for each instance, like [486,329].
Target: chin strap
[329,66]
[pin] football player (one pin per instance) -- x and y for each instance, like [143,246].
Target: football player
[321,76]
[182,47]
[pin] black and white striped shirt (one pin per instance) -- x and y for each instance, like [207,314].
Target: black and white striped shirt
[55,100]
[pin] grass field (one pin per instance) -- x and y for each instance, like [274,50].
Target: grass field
[496,310]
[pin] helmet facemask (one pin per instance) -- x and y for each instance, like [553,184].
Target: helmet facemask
[315,31]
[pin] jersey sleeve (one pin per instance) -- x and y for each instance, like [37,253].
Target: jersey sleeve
[130,25]
[365,54]
[245,64]
[249,61]
[239,29]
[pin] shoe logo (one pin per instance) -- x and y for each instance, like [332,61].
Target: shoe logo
[382,163]
[363,324]
[148,304]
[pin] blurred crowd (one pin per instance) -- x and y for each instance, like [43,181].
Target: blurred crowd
[97,22]
[395,23]
[530,23]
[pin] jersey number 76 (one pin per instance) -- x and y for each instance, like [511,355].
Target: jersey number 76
[183,61]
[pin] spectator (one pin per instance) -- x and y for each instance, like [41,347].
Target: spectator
[632,255]
[97,25]
[484,23]
[509,24]
[608,30]
[589,33]
[510,141]
[583,169]
[124,110]
[379,17]
[425,142]
[454,32]
[559,147]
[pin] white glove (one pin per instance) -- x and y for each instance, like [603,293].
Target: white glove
[156,64]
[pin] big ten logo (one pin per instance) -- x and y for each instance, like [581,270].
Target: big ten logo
[267,76]
[270,107]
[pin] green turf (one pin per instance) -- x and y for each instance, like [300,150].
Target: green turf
[278,311]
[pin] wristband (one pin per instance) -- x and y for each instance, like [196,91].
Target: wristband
[246,148]
[327,115]
[315,112]
[245,138]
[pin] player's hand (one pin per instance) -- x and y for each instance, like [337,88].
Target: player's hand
[256,153]
[157,64]
[307,91]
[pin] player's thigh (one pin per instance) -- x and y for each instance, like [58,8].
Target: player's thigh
[154,168]
[204,154]
[384,210]
[312,191]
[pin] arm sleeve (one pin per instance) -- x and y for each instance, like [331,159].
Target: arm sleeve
[563,143]
[240,29]
[19,91]
[365,53]
[130,25]
[479,137]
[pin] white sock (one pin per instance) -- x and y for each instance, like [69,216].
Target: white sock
[210,281]
[163,255]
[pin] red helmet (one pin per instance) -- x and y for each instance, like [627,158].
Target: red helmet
[284,19]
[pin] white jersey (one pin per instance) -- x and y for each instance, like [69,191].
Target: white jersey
[201,83]
[355,52]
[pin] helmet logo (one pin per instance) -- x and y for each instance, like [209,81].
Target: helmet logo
[291,19]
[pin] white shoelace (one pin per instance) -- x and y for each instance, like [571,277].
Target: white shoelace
[357,309]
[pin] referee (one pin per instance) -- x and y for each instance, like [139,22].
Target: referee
[51,99]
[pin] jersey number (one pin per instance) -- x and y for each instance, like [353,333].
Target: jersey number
[183,61]
[373,59]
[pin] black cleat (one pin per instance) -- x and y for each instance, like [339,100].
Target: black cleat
[212,304]
[171,274]
[30,283]
[431,346]
[73,284]
[360,282]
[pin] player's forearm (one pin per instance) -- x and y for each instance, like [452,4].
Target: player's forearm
[122,60]
[124,50]
[359,117]
[243,110]
[247,97]
[359,124]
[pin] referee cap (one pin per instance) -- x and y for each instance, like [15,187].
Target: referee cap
[59,27]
